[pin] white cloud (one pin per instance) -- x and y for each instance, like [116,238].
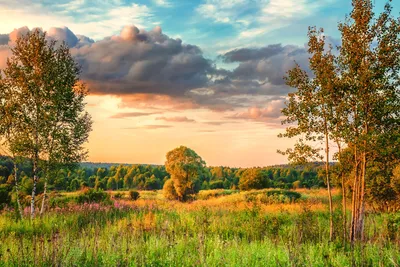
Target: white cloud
[223,11]
[106,18]
[162,3]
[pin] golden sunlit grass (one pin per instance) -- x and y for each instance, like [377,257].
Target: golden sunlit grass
[223,228]
[313,199]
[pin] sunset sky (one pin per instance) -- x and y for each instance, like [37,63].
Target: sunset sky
[206,74]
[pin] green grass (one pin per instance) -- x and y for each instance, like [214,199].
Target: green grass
[155,232]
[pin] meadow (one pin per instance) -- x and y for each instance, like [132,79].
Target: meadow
[218,228]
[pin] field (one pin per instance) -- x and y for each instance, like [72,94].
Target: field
[220,228]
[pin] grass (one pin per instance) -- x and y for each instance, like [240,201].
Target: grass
[223,230]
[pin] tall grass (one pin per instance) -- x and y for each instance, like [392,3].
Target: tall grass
[156,232]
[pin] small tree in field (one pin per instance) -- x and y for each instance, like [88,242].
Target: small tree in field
[184,166]
[42,105]
[253,178]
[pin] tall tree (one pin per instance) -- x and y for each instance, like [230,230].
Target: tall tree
[43,108]
[184,166]
[369,64]
[352,99]
[311,106]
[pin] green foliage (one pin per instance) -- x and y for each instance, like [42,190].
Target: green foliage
[134,195]
[184,166]
[207,194]
[118,195]
[5,197]
[161,234]
[93,196]
[253,178]
[169,190]
[273,196]
[218,184]
[42,108]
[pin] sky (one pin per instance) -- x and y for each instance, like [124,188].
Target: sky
[207,74]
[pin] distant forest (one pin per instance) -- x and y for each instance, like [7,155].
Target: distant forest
[108,176]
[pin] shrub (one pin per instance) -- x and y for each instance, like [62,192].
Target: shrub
[134,195]
[60,201]
[273,196]
[218,184]
[93,196]
[169,190]
[4,195]
[253,178]
[207,194]
[393,226]
[118,195]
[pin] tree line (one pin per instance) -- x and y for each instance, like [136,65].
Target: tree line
[153,177]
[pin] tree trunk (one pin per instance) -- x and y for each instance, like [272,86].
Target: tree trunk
[44,197]
[329,187]
[354,198]
[344,209]
[362,196]
[35,180]
[17,189]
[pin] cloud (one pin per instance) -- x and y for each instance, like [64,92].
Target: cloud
[155,101]
[122,115]
[225,11]
[270,113]
[139,61]
[175,119]
[150,127]
[261,70]
[4,38]
[206,131]
[148,69]
[215,123]
[63,34]
[162,3]
[97,21]
[246,54]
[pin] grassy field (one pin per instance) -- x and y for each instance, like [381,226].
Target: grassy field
[220,228]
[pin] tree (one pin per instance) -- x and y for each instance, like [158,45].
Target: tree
[184,166]
[369,64]
[42,105]
[253,178]
[169,191]
[312,106]
[353,99]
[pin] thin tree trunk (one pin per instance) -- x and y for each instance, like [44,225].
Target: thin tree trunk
[344,209]
[44,197]
[362,196]
[354,198]
[17,189]
[329,187]
[45,189]
[35,180]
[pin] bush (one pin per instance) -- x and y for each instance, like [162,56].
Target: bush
[60,201]
[5,198]
[134,195]
[218,184]
[207,194]
[253,178]
[169,190]
[118,195]
[93,196]
[273,196]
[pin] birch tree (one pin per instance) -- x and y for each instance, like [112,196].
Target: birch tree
[43,108]
[311,107]
[369,67]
